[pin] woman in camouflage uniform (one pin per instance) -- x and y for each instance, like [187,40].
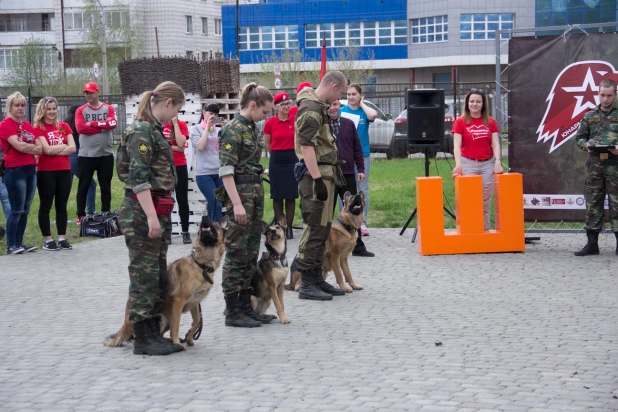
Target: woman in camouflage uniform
[240,151]
[145,164]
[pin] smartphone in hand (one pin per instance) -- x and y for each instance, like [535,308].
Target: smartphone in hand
[217,120]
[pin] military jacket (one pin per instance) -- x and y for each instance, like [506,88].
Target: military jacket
[313,128]
[144,159]
[600,126]
[240,148]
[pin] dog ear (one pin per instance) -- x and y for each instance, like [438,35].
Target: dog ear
[224,222]
[264,227]
[282,221]
[362,195]
[346,196]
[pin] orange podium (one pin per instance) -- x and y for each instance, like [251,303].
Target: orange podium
[470,236]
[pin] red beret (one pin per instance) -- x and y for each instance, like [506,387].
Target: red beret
[280,97]
[302,86]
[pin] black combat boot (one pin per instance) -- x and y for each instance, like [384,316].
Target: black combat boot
[146,344]
[234,315]
[361,250]
[324,285]
[245,304]
[592,247]
[309,288]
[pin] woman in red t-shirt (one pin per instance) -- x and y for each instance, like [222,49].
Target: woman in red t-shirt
[53,171]
[18,146]
[279,141]
[176,133]
[476,145]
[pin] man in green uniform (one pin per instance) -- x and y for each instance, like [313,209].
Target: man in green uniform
[315,146]
[601,126]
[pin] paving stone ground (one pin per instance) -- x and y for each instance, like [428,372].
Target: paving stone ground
[533,331]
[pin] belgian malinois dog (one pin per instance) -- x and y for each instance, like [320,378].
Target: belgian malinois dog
[341,241]
[189,280]
[269,277]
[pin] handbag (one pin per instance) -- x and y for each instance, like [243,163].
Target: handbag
[101,225]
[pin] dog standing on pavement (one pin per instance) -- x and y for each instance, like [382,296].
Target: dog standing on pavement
[188,282]
[272,270]
[340,243]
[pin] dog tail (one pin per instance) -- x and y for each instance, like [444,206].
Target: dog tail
[294,278]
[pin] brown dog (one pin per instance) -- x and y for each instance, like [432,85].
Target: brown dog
[269,278]
[189,280]
[341,241]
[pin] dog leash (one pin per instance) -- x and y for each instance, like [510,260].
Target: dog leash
[198,331]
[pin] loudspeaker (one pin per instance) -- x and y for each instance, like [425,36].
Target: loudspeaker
[425,118]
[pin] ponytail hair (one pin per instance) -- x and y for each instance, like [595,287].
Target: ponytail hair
[164,91]
[254,93]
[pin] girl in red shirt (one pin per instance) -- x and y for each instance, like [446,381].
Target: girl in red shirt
[18,146]
[476,145]
[53,170]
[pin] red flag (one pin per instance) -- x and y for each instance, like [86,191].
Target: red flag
[323,65]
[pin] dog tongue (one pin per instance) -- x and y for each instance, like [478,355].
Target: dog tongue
[206,229]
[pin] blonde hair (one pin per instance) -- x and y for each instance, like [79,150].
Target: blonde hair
[41,110]
[13,99]
[254,93]
[164,91]
[484,110]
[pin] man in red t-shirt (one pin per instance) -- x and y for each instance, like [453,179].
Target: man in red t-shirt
[177,133]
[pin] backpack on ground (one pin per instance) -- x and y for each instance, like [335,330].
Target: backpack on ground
[100,225]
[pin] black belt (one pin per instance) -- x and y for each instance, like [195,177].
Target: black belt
[478,160]
[247,179]
[129,193]
[610,156]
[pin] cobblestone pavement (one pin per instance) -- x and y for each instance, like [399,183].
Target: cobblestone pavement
[532,331]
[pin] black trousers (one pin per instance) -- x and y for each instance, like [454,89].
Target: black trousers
[182,196]
[86,166]
[54,187]
[350,186]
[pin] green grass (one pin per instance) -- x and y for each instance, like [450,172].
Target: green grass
[392,195]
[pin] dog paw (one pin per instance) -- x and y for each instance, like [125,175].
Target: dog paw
[190,341]
[348,290]
[285,320]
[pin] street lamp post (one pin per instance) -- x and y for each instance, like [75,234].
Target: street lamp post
[104,51]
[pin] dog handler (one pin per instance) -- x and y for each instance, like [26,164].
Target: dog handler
[315,147]
[240,151]
[145,164]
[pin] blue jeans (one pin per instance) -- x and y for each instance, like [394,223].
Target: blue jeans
[364,185]
[21,185]
[92,190]
[207,185]
[4,199]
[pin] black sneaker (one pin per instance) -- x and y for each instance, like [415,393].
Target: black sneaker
[186,238]
[64,245]
[14,250]
[29,248]
[50,245]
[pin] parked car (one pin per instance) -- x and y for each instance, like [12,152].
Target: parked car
[380,131]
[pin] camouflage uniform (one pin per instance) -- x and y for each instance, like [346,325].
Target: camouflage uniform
[601,174]
[241,141]
[144,161]
[313,129]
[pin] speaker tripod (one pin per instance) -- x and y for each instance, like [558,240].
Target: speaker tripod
[415,209]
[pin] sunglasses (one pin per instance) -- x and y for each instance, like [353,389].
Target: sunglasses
[477,91]
[50,99]
[284,104]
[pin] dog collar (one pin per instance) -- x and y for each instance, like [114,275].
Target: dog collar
[349,228]
[205,269]
[273,254]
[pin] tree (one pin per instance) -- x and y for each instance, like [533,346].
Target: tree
[294,69]
[34,65]
[356,66]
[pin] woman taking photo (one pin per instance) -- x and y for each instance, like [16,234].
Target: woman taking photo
[176,134]
[279,141]
[362,115]
[19,147]
[240,151]
[205,138]
[53,171]
[145,164]
[476,145]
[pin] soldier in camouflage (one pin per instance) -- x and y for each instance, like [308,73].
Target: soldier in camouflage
[145,164]
[240,151]
[315,146]
[601,126]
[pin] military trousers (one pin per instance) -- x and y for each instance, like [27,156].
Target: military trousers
[317,220]
[601,179]
[242,243]
[147,260]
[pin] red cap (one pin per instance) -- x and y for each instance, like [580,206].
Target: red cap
[91,87]
[302,86]
[280,97]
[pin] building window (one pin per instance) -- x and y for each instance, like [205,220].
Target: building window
[367,33]
[218,27]
[189,24]
[204,55]
[116,18]
[204,26]
[77,21]
[189,54]
[430,29]
[560,13]
[10,57]
[268,37]
[25,22]
[6,58]
[483,26]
